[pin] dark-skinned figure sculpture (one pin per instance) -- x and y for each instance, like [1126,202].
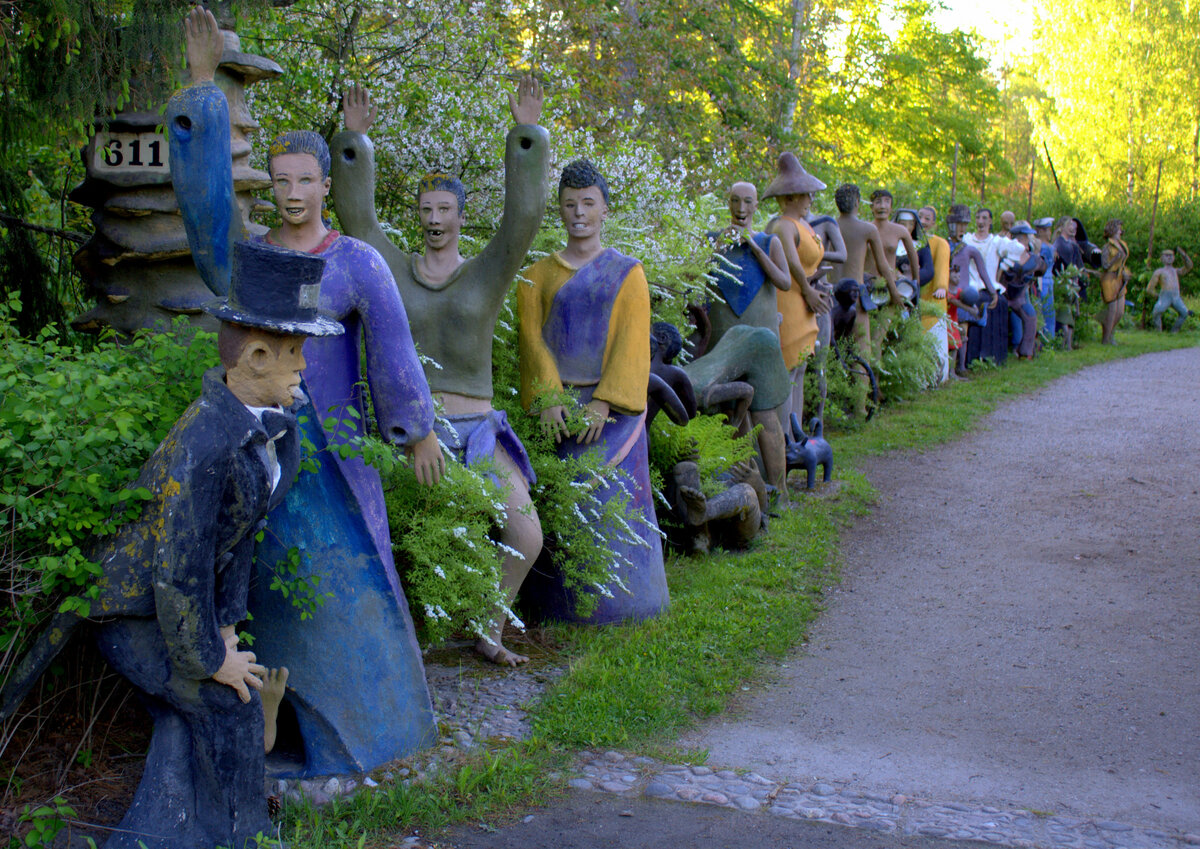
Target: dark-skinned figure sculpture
[175,580]
[734,516]
[584,315]
[357,691]
[454,304]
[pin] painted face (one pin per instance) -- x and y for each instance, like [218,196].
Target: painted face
[881,207]
[908,223]
[298,187]
[583,211]
[927,219]
[983,221]
[1069,229]
[1168,257]
[275,365]
[441,221]
[1007,220]
[743,203]
[957,229]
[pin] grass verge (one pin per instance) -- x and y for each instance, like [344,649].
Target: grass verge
[637,686]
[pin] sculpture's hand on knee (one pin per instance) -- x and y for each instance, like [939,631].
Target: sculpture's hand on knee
[239,670]
[554,421]
[596,414]
[429,463]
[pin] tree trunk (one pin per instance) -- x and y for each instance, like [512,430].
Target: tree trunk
[791,97]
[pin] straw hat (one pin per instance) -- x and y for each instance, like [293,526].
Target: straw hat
[792,179]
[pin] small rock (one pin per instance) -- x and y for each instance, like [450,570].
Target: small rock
[580,784]
[368,781]
[403,772]
[701,770]
[628,779]
[688,794]
[933,831]
[842,817]
[955,806]
[755,778]
[715,798]
[822,789]
[899,799]
[625,814]
[643,761]
[462,739]
[727,774]
[1192,839]
[747,803]
[614,787]
[331,787]
[348,786]
[528,819]
[613,757]
[658,788]
[1108,825]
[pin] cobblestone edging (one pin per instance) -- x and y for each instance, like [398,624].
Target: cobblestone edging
[473,708]
[616,773]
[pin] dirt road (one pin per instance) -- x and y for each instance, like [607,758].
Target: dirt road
[1019,622]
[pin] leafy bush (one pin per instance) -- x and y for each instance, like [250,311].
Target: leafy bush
[909,362]
[446,554]
[75,426]
[714,442]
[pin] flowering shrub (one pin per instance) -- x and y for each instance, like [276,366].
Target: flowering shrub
[76,423]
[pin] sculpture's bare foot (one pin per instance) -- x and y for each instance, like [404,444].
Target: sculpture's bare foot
[273,690]
[696,504]
[498,654]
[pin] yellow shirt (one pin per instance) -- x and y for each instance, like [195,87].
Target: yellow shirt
[625,362]
[939,249]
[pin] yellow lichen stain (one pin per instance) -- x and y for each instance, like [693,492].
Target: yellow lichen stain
[171,488]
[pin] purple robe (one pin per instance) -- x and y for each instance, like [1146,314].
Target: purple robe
[576,332]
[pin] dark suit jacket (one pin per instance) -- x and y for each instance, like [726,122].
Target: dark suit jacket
[186,559]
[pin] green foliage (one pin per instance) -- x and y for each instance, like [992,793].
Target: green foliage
[304,592]
[75,426]
[909,361]
[445,550]
[45,822]
[709,439]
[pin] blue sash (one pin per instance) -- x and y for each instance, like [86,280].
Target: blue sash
[740,285]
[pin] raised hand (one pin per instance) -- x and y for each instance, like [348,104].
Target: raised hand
[526,105]
[205,44]
[358,111]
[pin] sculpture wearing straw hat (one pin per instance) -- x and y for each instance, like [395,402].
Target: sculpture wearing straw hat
[793,188]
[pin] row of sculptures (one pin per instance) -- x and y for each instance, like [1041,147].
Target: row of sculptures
[305,315]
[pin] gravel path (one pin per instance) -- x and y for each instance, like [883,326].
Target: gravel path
[1010,658]
[1019,623]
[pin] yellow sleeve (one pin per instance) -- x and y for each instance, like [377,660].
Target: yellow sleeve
[940,250]
[539,372]
[625,370]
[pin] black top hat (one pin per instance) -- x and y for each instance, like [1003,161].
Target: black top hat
[275,289]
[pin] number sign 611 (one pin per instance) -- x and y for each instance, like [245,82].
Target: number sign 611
[127,152]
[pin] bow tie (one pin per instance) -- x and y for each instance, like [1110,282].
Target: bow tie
[275,423]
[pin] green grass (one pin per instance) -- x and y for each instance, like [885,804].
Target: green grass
[949,411]
[637,687]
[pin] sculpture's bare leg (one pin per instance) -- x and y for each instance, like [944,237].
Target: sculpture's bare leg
[523,533]
[274,687]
